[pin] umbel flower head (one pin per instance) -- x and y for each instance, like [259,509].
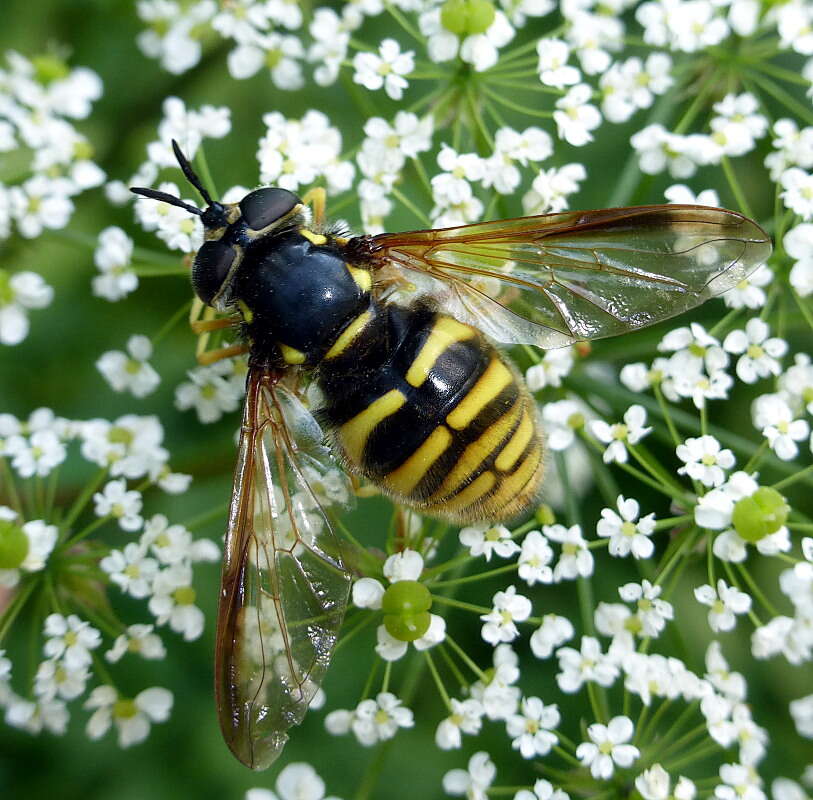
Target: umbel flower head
[541,655]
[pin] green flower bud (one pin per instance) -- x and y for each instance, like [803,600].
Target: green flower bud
[13,545]
[544,515]
[407,627]
[49,68]
[760,515]
[403,598]
[467,17]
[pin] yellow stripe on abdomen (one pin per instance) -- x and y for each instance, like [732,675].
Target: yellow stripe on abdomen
[478,451]
[354,433]
[488,386]
[404,479]
[445,332]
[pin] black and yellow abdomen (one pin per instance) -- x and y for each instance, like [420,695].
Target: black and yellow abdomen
[427,409]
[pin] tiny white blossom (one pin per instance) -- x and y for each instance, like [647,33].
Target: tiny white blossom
[553,631]
[627,534]
[532,729]
[760,354]
[386,69]
[575,117]
[509,608]
[132,717]
[705,460]
[20,292]
[608,747]
[474,782]
[130,372]
[723,604]
[576,560]
[122,504]
[617,436]
[70,639]
[466,717]
[483,540]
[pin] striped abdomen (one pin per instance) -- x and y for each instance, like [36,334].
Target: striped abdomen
[427,409]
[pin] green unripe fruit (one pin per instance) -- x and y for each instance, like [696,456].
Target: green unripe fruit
[407,627]
[467,17]
[49,68]
[13,545]
[760,515]
[406,597]
[544,515]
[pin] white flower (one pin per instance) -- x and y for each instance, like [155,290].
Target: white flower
[18,293]
[587,664]
[553,68]
[40,203]
[466,717]
[576,559]
[132,717]
[112,257]
[209,392]
[704,460]
[802,712]
[483,540]
[115,500]
[509,607]
[474,782]
[131,569]
[138,639]
[130,373]
[561,420]
[731,684]
[534,559]
[653,613]
[798,243]
[543,790]
[496,691]
[55,678]
[625,534]
[386,69]
[37,455]
[617,436]
[760,353]
[553,631]
[554,366]
[70,639]
[723,603]
[798,194]
[551,188]
[774,417]
[654,784]
[531,729]
[576,117]
[173,601]
[296,781]
[608,747]
[377,720]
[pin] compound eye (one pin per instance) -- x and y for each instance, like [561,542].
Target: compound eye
[212,265]
[263,207]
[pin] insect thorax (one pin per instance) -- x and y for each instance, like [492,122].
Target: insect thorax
[297,294]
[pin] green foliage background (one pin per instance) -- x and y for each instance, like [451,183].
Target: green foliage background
[54,367]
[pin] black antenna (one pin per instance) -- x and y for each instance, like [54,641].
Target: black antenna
[154,194]
[190,173]
[186,167]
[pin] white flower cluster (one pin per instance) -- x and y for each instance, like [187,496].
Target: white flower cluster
[158,568]
[41,98]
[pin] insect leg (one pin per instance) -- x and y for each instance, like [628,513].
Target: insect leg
[316,198]
[210,356]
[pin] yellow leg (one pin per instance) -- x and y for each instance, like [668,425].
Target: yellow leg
[210,356]
[316,198]
[208,325]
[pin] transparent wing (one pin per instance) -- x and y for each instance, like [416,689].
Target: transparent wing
[555,279]
[284,586]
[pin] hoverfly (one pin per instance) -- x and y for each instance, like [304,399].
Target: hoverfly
[417,400]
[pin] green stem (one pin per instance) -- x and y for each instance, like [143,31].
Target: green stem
[438,682]
[734,183]
[477,577]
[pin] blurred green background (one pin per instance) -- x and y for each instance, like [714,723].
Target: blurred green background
[54,367]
